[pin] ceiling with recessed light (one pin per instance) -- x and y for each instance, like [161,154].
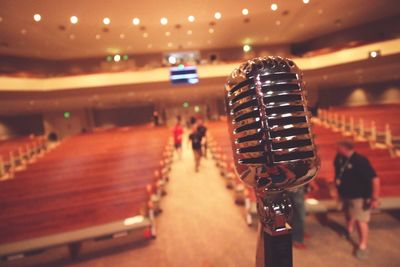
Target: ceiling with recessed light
[80,29]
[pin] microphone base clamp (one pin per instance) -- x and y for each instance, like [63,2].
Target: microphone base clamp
[274,245]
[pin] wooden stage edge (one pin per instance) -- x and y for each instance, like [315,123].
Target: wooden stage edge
[73,239]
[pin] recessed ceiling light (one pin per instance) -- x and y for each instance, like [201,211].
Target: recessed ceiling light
[320,11]
[149,46]
[189,32]
[169,44]
[246,48]
[135,21]
[73,19]
[106,21]
[117,58]
[164,21]
[211,30]
[37,17]
[217,15]
[278,22]
[189,43]
[374,54]
[167,33]
[191,18]
[245,11]
[122,36]
[1,19]
[306,1]
[145,35]
[71,36]
[209,42]
[274,7]
[98,36]
[172,60]
[23,31]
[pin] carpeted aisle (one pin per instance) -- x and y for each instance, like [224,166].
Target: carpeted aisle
[200,226]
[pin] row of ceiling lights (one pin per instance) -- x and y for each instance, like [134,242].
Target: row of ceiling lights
[163,20]
[136,21]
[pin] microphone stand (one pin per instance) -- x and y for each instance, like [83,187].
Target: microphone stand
[274,244]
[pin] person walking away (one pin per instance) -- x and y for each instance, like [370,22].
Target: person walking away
[177,133]
[192,121]
[358,188]
[195,138]
[202,129]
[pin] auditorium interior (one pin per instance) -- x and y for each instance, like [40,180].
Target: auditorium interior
[101,106]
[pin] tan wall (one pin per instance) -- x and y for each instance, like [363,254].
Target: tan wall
[79,119]
[360,95]
[124,116]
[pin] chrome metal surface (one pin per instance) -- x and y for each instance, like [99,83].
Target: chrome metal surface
[273,145]
[274,211]
[269,123]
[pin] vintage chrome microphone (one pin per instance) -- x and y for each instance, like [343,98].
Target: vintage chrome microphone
[273,146]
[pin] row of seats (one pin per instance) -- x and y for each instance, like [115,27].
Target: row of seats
[380,114]
[89,180]
[385,163]
[16,152]
[378,124]
[322,189]
[221,150]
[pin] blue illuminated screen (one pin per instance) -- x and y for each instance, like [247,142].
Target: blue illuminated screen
[184,75]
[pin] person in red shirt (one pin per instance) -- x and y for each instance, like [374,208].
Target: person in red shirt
[177,132]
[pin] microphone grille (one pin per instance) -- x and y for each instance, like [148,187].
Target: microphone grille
[268,115]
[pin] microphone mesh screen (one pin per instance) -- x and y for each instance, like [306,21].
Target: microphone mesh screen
[269,115]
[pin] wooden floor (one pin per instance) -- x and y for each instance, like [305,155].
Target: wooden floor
[202,227]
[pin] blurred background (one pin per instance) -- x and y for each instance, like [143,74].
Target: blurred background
[90,96]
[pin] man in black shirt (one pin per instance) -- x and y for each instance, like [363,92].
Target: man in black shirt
[195,138]
[358,187]
[202,129]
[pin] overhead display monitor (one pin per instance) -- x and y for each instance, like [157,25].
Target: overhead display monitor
[184,75]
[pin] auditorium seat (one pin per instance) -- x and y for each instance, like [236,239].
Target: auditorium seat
[380,114]
[322,191]
[89,180]
[222,152]
[378,124]
[385,165]
[16,152]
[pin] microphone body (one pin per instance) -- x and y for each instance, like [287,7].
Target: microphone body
[272,143]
